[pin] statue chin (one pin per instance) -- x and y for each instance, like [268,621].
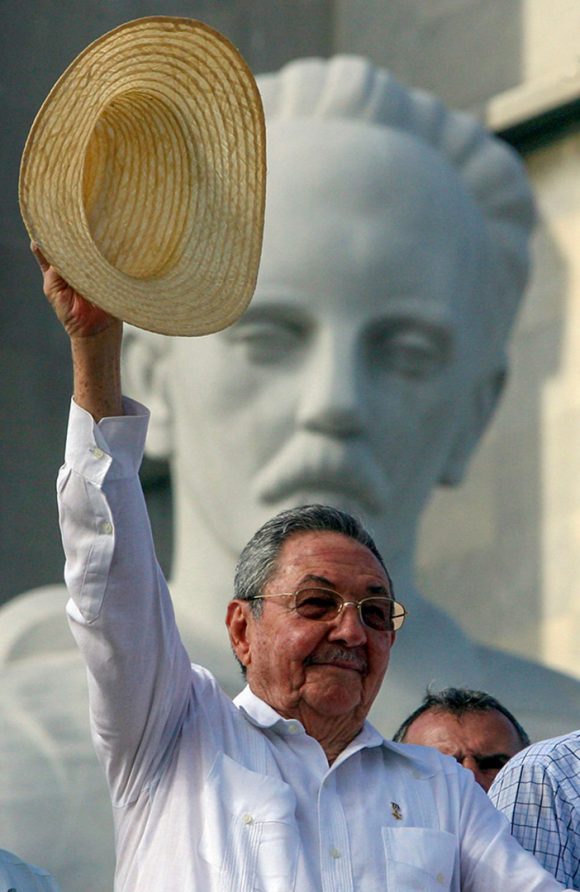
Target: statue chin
[309,494]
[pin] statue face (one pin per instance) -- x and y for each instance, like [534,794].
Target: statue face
[348,379]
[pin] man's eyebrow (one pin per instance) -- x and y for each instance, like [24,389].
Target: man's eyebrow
[320,580]
[377,588]
[373,588]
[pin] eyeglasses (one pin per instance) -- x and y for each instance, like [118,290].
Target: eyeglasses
[379,613]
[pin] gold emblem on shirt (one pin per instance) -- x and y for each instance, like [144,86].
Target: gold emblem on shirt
[396,811]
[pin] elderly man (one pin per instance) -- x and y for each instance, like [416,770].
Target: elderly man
[472,726]
[539,792]
[289,787]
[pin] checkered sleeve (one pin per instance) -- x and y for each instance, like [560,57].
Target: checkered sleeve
[539,792]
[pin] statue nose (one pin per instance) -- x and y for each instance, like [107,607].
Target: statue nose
[332,398]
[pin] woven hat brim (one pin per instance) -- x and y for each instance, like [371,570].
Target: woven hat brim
[143,176]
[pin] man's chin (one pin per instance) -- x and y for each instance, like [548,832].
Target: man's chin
[337,698]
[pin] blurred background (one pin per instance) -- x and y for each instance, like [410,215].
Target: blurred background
[502,553]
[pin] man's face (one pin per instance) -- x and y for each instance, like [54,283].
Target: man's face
[347,380]
[310,669]
[481,741]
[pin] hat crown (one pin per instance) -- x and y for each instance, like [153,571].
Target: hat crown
[137,185]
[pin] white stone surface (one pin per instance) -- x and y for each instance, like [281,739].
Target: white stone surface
[520,551]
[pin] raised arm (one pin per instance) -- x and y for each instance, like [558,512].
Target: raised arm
[119,608]
[95,338]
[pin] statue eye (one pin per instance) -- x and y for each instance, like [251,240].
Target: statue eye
[412,351]
[267,342]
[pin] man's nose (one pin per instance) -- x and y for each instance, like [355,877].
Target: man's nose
[332,396]
[349,627]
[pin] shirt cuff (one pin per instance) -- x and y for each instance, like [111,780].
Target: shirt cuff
[113,447]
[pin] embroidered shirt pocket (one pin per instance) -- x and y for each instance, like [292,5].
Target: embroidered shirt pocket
[419,858]
[250,834]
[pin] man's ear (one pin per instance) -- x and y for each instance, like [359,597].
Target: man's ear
[479,409]
[238,622]
[145,375]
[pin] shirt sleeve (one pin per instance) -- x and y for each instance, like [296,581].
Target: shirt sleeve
[119,607]
[533,795]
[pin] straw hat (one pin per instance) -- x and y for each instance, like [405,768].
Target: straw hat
[143,176]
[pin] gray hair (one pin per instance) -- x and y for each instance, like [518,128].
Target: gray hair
[259,559]
[459,702]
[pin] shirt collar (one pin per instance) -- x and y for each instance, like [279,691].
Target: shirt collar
[257,711]
[260,714]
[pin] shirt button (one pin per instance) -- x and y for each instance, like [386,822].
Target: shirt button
[293,728]
[440,879]
[247,819]
[96,452]
[106,528]
[335,853]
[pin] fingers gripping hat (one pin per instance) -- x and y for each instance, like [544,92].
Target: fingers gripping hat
[143,176]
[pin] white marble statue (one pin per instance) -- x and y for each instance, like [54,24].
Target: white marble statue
[363,375]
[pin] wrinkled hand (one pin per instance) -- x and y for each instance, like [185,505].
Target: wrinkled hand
[78,316]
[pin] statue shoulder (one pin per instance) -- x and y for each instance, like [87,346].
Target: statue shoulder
[34,623]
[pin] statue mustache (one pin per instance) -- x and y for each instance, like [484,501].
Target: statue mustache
[319,462]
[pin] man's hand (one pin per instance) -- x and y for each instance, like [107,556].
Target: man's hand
[77,315]
[95,338]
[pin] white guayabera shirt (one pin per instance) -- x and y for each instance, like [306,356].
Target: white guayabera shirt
[229,797]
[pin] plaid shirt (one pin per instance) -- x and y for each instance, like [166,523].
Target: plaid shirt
[539,792]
